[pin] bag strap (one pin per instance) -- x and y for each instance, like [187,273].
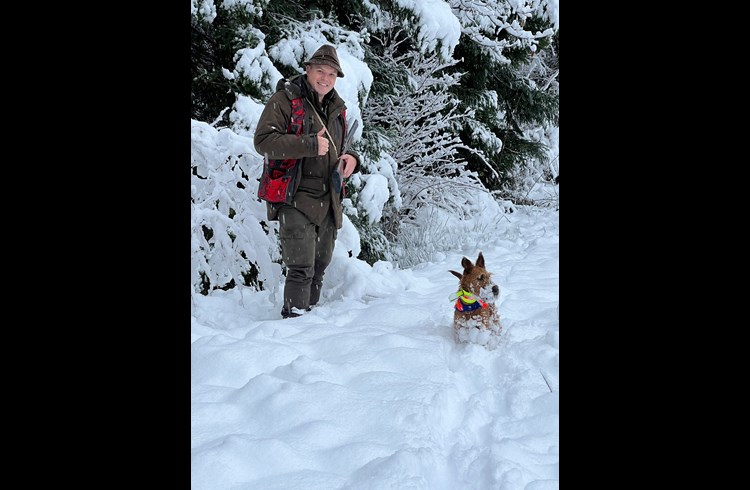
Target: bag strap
[330,138]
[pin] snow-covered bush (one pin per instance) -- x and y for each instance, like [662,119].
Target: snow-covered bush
[230,241]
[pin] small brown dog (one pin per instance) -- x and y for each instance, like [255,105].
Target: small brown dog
[475,318]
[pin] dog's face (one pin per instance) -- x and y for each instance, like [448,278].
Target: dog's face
[476,279]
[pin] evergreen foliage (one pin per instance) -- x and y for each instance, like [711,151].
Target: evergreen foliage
[438,130]
[214,43]
[507,101]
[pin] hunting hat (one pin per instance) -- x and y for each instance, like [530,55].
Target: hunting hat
[326,55]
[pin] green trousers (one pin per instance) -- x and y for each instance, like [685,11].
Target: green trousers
[306,250]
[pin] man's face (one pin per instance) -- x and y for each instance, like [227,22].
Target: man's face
[322,78]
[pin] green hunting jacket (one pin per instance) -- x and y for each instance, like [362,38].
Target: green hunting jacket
[314,194]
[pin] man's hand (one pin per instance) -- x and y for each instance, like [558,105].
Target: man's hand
[322,143]
[349,163]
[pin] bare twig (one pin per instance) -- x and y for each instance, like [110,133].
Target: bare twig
[545,380]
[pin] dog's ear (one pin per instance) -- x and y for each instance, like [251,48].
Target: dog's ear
[466,263]
[459,276]
[480,260]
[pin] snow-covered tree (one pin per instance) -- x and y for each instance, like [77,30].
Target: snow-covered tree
[221,32]
[414,119]
[499,40]
[543,72]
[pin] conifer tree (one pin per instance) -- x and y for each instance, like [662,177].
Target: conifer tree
[499,39]
[218,31]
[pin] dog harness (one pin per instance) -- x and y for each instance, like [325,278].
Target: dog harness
[467,301]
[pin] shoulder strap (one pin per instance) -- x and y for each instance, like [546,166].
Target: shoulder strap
[346,127]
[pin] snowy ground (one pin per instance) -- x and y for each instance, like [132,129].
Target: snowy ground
[370,391]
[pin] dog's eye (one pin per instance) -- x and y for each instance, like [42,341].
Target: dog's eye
[481,277]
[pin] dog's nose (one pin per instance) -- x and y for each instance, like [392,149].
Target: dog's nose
[495,290]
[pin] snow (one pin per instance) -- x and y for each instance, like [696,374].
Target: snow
[369,390]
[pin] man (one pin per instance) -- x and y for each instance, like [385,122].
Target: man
[310,219]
